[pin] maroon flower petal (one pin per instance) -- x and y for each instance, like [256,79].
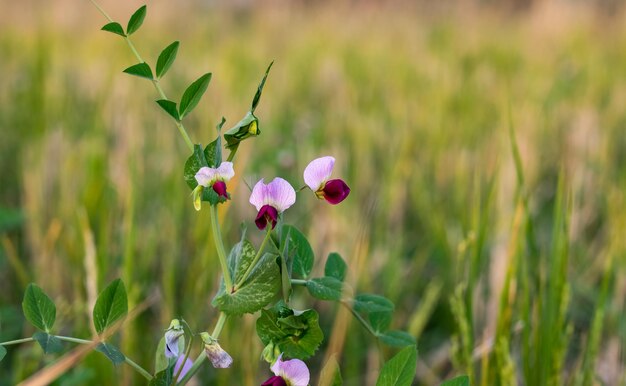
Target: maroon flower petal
[275,381]
[220,188]
[267,214]
[335,191]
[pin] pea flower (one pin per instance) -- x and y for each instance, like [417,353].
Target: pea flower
[214,178]
[172,339]
[216,354]
[270,200]
[288,373]
[186,366]
[316,176]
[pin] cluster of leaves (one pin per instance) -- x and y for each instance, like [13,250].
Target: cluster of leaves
[40,311]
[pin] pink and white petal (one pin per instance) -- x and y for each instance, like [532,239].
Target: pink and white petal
[318,171]
[258,195]
[278,365]
[281,194]
[294,371]
[205,175]
[225,171]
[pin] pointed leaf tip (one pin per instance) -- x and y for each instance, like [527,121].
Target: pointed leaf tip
[193,94]
[136,20]
[38,308]
[166,59]
[141,70]
[115,28]
[111,305]
[259,91]
[169,107]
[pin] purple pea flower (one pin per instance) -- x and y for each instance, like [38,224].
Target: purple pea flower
[172,339]
[219,358]
[214,178]
[270,200]
[186,366]
[316,176]
[288,373]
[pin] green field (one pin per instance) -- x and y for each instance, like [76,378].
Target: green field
[486,152]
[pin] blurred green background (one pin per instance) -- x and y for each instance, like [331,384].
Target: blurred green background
[496,268]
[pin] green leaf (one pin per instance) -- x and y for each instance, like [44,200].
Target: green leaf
[163,377]
[399,370]
[397,338]
[259,91]
[368,303]
[246,128]
[111,305]
[213,153]
[49,343]
[115,28]
[38,308]
[111,352]
[325,288]
[141,70]
[193,164]
[259,288]
[161,362]
[335,267]
[169,107]
[166,58]
[136,20]
[298,250]
[193,93]
[377,309]
[296,334]
[3,352]
[463,380]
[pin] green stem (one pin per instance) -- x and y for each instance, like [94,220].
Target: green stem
[219,325]
[138,368]
[202,357]
[134,365]
[102,11]
[18,341]
[219,245]
[256,258]
[360,319]
[155,82]
[298,282]
[128,361]
[74,340]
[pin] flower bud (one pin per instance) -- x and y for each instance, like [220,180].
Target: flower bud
[270,353]
[216,354]
[173,344]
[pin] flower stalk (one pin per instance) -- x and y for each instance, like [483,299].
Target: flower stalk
[219,245]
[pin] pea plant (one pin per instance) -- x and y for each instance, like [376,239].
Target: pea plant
[252,277]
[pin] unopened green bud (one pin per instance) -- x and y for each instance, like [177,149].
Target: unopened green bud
[197,197]
[270,353]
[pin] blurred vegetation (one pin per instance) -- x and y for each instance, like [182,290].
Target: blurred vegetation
[485,151]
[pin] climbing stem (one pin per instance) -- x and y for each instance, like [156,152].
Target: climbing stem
[219,245]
